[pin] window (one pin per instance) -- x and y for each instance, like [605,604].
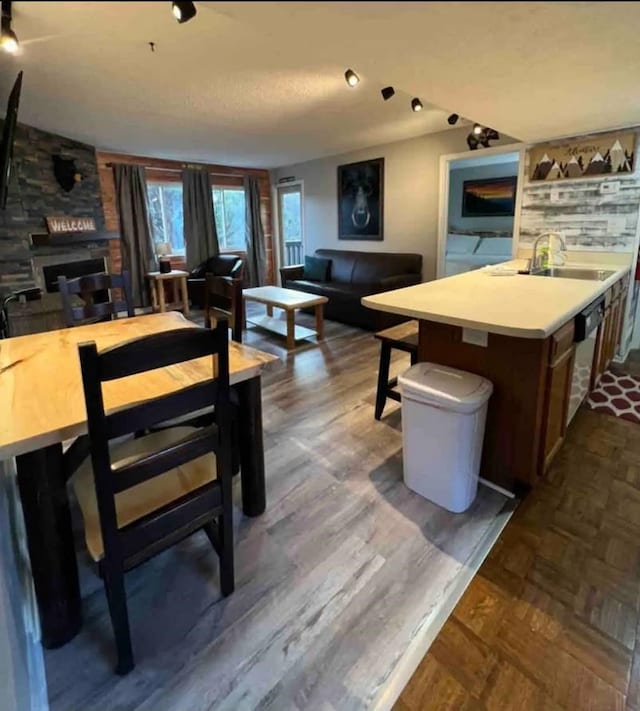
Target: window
[167,224]
[165,214]
[229,210]
[290,224]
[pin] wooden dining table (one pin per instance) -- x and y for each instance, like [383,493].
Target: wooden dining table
[42,406]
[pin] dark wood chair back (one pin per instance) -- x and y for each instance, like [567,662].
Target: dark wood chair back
[224,294]
[96,292]
[125,547]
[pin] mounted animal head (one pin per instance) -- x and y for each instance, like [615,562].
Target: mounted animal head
[66,172]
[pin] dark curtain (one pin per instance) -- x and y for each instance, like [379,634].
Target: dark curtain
[256,253]
[138,254]
[200,235]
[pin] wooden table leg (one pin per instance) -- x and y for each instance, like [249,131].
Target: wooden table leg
[154,294]
[291,329]
[185,295]
[383,378]
[47,518]
[269,310]
[251,446]
[320,321]
[160,288]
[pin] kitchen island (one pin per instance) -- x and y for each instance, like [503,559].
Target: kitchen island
[519,332]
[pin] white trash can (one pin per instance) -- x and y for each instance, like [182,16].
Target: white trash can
[443,417]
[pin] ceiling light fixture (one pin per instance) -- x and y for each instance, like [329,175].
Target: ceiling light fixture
[478,129]
[351,78]
[8,39]
[416,105]
[387,92]
[453,119]
[183,11]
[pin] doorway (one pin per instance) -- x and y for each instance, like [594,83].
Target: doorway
[479,206]
[290,224]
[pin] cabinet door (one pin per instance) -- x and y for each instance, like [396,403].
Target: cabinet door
[556,405]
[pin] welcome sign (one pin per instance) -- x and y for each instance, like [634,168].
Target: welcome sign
[56,225]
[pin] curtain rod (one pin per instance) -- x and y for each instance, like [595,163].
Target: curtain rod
[182,167]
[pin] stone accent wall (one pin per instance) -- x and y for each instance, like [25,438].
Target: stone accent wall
[593,214]
[34,194]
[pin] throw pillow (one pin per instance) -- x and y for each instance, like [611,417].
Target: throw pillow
[316,269]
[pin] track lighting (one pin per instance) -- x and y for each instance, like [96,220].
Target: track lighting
[416,105]
[453,119]
[478,129]
[351,78]
[387,92]
[183,11]
[8,39]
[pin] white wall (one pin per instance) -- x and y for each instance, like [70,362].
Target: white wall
[457,176]
[410,195]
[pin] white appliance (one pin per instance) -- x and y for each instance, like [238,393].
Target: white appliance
[443,418]
[586,331]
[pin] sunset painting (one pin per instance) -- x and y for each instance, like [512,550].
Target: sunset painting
[492,197]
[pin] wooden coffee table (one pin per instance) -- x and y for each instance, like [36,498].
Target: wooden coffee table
[289,300]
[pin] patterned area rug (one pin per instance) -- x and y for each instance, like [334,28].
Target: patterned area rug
[617,395]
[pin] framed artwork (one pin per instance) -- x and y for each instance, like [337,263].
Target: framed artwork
[489,197]
[360,200]
[603,154]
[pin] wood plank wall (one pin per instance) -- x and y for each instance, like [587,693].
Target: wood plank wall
[162,169]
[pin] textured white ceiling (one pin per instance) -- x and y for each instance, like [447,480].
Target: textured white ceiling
[261,83]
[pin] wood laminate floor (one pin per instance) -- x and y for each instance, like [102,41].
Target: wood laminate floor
[551,619]
[345,572]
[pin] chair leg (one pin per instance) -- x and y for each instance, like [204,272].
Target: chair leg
[117,600]
[225,521]
[414,357]
[383,378]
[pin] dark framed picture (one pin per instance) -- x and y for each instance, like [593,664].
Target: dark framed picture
[360,200]
[490,197]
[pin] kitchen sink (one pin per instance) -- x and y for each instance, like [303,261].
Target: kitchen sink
[571,273]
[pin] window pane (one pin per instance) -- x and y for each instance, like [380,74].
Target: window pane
[291,217]
[229,212]
[165,214]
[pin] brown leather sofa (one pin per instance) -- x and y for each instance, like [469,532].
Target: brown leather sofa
[351,276]
[228,266]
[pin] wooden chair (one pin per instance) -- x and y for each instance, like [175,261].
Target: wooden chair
[95,291]
[141,497]
[403,337]
[223,297]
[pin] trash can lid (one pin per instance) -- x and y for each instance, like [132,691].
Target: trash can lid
[445,387]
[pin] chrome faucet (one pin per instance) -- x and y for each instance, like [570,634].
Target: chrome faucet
[535,266]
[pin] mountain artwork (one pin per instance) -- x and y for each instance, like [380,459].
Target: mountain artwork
[597,155]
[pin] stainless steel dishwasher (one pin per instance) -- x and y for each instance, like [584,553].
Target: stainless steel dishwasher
[586,331]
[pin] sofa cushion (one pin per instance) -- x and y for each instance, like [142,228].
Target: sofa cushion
[369,267]
[342,264]
[316,269]
[372,267]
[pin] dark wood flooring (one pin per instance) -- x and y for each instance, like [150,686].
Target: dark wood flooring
[551,619]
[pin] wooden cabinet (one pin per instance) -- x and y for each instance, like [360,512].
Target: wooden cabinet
[557,393]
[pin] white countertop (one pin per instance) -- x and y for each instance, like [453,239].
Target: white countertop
[522,305]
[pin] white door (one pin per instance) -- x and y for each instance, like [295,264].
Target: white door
[290,224]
